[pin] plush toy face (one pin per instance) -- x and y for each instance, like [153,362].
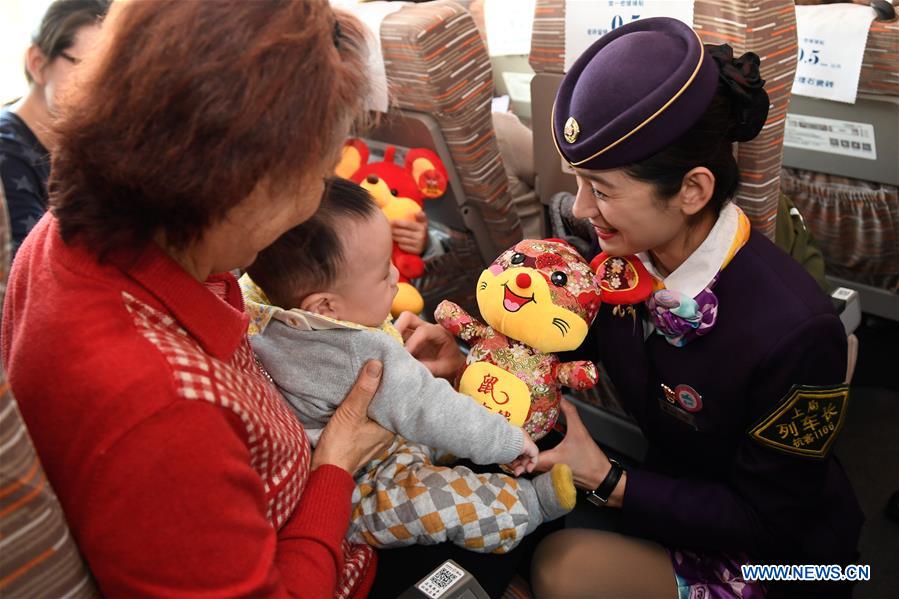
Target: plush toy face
[541,293]
[392,190]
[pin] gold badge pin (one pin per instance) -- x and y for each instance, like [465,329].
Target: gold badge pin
[669,394]
[572,130]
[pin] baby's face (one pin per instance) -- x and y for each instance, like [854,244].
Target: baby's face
[368,281]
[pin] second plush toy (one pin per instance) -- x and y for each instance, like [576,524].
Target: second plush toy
[399,191]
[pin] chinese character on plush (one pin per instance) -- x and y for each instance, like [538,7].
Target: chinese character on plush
[487,384]
[487,387]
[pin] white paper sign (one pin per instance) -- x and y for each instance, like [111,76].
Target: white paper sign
[509,24]
[831,136]
[832,41]
[588,20]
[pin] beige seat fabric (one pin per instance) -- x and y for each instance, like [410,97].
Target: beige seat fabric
[38,557]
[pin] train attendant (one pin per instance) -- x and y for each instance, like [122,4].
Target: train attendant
[734,364]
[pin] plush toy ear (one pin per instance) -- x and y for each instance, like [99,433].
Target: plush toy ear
[428,172]
[622,279]
[355,156]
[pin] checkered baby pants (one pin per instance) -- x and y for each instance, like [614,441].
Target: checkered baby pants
[402,499]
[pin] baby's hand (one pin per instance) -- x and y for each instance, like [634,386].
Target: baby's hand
[527,461]
[411,235]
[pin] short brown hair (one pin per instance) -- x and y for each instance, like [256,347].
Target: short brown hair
[308,257]
[187,106]
[61,22]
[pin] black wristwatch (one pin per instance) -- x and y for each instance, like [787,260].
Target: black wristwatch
[600,496]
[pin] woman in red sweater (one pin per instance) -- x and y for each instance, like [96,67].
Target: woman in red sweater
[200,132]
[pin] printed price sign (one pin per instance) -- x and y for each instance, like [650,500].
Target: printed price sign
[831,136]
[588,20]
[831,45]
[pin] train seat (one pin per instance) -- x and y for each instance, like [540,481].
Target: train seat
[38,556]
[849,203]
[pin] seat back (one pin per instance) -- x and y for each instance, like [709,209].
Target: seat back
[38,557]
[766,27]
[441,86]
[437,66]
[851,203]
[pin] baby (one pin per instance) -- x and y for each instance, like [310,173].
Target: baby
[319,300]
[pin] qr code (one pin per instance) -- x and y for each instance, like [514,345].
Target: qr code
[441,580]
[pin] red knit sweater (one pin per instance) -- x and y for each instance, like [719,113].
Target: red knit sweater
[179,468]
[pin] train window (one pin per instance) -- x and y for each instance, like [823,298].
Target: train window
[19,19]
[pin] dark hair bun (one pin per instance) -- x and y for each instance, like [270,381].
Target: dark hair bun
[743,81]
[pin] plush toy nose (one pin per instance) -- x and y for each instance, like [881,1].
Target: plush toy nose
[372,179]
[523,280]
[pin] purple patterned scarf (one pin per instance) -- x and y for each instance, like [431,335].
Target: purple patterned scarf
[681,319]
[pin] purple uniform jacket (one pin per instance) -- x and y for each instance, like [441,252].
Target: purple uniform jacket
[709,482]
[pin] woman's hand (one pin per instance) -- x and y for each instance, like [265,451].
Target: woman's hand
[351,439]
[430,344]
[587,461]
[411,235]
[527,461]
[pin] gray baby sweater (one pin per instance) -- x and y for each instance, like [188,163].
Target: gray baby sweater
[315,369]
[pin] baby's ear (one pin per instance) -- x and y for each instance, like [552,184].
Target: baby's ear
[321,303]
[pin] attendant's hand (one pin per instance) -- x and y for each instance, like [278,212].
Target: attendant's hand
[351,439]
[411,235]
[588,462]
[527,461]
[430,344]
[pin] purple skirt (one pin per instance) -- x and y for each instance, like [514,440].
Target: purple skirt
[712,576]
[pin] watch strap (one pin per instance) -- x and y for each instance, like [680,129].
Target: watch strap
[600,495]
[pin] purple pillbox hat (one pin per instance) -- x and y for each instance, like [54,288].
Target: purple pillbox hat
[632,93]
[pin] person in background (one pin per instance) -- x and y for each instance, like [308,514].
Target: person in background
[66,34]
[180,156]
[516,146]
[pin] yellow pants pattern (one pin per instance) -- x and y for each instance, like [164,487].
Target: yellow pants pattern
[403,498]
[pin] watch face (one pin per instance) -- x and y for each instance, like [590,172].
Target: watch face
[595,499]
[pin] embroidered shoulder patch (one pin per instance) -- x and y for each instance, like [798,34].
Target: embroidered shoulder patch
[807,421]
